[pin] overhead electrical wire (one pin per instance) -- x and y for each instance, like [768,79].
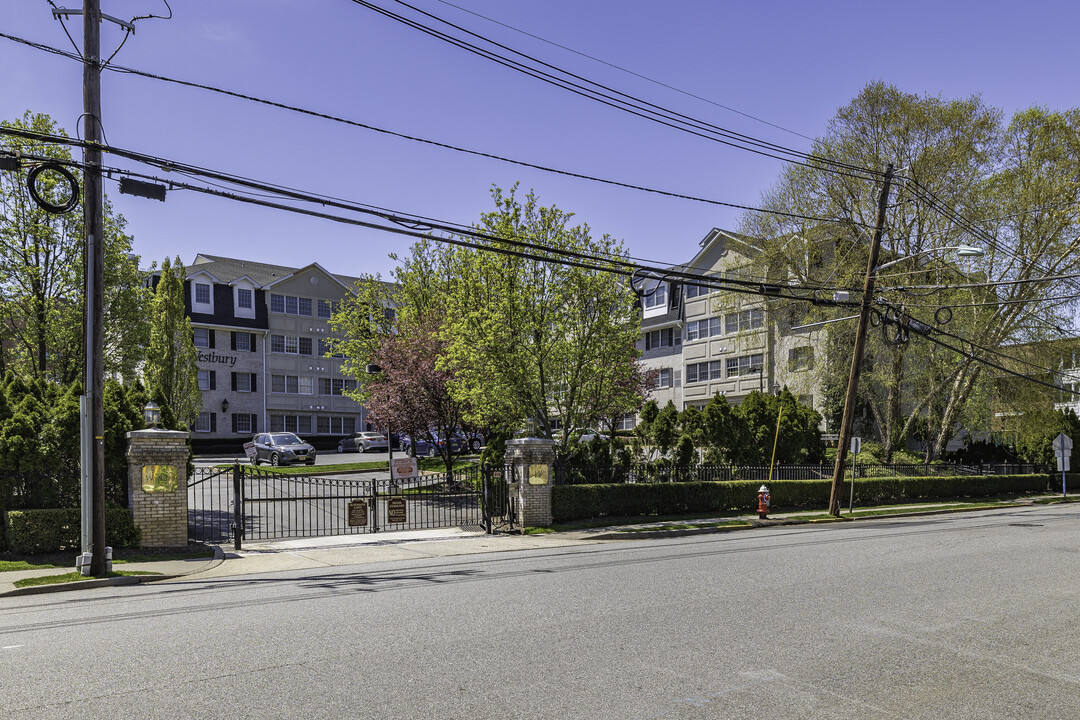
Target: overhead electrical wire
[625,70]
[623,101]
[490,243]
[626,267]
[435,143]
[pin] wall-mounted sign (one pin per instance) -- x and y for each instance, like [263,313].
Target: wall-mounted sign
[538,473]
[395,510]
[358,513]
[159,478]
[213,357]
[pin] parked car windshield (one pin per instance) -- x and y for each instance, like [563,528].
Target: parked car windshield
[285,439]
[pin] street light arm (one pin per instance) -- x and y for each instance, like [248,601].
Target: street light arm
[961,250]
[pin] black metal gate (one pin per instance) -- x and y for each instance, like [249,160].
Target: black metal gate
[242,502]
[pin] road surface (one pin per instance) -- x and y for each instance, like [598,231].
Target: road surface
[968,615]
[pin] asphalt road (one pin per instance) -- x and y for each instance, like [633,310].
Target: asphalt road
[955,616]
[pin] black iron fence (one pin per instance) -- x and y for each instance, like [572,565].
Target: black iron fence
[246,503]
[661,473]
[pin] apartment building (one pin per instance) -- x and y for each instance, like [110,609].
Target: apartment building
[265,352]
[698,341]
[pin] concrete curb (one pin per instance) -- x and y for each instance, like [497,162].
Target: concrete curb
[219,557]
[751,524]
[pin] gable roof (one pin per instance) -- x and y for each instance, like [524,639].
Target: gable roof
[228,270]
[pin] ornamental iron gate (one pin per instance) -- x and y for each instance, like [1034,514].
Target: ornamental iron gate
[242,502]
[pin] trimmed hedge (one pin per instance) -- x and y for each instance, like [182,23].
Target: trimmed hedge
[579,502]
[49,531]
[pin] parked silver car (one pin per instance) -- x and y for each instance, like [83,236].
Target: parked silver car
[280,448]
[362,442]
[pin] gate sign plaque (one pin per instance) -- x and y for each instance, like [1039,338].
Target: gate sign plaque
[358,513]
[395,510]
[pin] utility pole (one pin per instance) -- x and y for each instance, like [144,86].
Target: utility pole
[860,344]
[95,276]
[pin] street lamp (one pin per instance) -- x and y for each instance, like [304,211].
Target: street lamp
[152,414]
[961,251]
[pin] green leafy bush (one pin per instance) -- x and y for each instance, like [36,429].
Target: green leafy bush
[49,531]
[578,502]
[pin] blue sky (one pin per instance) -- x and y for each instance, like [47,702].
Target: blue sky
[789,63]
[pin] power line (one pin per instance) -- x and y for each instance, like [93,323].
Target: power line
[426,141]
[412,221]
[623,101]
[627,71]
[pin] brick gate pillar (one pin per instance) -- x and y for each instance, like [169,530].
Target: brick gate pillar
[533,460]
[157,486]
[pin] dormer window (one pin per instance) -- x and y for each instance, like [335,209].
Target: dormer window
[202,294]
[244,299]
[657,297]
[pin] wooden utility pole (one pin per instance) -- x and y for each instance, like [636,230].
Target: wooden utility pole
[95,275]
[860,344]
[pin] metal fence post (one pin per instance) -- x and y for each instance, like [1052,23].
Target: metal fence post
[374,505]
[238,505]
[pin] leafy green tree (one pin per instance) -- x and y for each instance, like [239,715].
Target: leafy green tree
[41,277]
[532,337]
[665,429]
[1014,183]
[724,434]
[170,360]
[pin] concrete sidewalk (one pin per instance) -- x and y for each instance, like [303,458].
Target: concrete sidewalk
[321,552]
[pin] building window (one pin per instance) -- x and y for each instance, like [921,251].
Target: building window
[243,298]
[202,337]
[243,382]
[703,372]
[305,345]
[324,310]
[745,365]
[693,291]
[242,341]
[243,423]
[291,344]
[305,385]
[801,358]
[206,422]
[291,423]
[657,298]
[207,380]
[662,338]
[700,329]
[661,378]
[277,343]
[202,294]
[290,305]
[745,320]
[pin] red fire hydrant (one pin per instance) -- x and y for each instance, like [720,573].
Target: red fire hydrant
[763,502]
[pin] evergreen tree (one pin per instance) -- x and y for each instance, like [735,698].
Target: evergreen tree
[170,360]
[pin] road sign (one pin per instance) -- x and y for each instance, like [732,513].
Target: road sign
[1063,463]
[856,445]
[1062,444]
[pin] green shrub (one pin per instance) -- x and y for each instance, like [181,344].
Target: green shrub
[578,502]
[48,531]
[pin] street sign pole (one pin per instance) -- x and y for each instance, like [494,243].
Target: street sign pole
[1063,451]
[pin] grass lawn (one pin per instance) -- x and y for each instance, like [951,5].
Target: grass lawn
[71,577]
[10,562]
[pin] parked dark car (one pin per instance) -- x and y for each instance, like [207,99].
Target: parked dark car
[362,442]
[281,448]
[420,447]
